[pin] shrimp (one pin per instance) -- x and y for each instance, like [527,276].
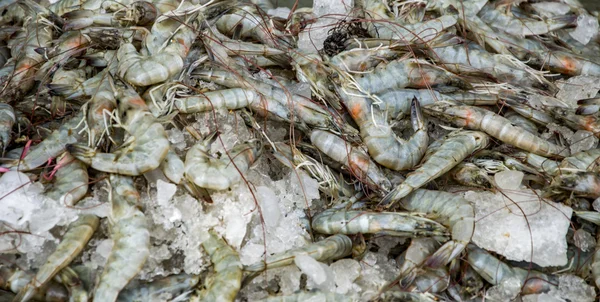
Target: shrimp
[588,106]
[7,121]
[227,279]
[313,295]
[71,182]
[173,285]
[62,7]
[391,295]
[68,45]
[495,272]
[468,174]
[417,252]
[355,160]
[382,143]
[496,126]
[431,280]
[51,147]
[139,13]
[586,122]
[173,167]
[360,59]
[586,184]
[329,249]
[523,27]
[341,221]
[311,69]
[14,280]
[73,242]
[402,73]
[440,158]
[69,278]
[145,149]
[145,71]
[521,121]
[219,174]
[131,239]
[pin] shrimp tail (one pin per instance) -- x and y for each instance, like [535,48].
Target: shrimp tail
[416,115]
[566,20]
[444,254]
[592,101]
[78,19]
[81,152]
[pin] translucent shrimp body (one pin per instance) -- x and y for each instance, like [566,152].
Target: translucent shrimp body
[7,120]
[71,180]
[441,157]
[131,239]
[153,291]
[331,248]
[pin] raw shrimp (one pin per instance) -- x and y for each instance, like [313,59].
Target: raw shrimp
[69,278]
[226,282]
[586,184]
[417,252]
[62,7]
[495,272]
[71,180]
[51,147]
[402,73]
[586,122]
[331,248]
[523,27]
[452,211]
[355,160]
[173,167]
[139,13]
[441,157]
[219,174]
[521,121]
[153,291]
[73,242]
[313,295]
[14,280]
[419,32]
[360,59]
[7,121]
[495,125]
[311,69]
[430,280]
[468,174]
[342,221]
[131,239]
[145,149]
[144,71]
[392,295]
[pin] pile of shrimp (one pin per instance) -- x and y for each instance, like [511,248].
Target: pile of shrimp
[404,106]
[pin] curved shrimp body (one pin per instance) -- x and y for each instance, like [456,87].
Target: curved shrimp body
[342,221]
[418,32]
[52,146]
[71,180]
[354,159]
[73,242]
[384,146]
[14,280]
[173,167]
[417,252]
[220,174]
[140,13]
[440,158]
[468,174]
[313,295]
[495,272]
[250,25]
[585,184]
[102,103]
[68,45]
[405,73]
[360,59]
[586,122]
[523,27]
[331,248]
[431,280]
[146,149]
[147,70]
[452,211]
[69,278]
[131,239]
[582,161]
[496,126]
[62,7]
[153,291]
[227,280]
[7,121]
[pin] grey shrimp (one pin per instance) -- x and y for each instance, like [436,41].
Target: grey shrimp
[384,146]
[441,157]
[350,222]
[73,242]
[12,279]
[495,272]
[227,279]
[496,126]
[411,259]
[71,180]
[174,285]
[471,175]
[331,248]
[355,160]
[219,174]
[7,120]
[69,278]
[313,295]
[129,232]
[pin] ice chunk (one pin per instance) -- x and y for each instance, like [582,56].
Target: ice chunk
[505,291]
[269,205]
[102,251]
[582,140]
[573,288]
[541,298]
[578,88]
[320,274]
[584,240]
[164,191]
[345,271]
[587,28]
[508,222]
[509,179]
[328,13]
